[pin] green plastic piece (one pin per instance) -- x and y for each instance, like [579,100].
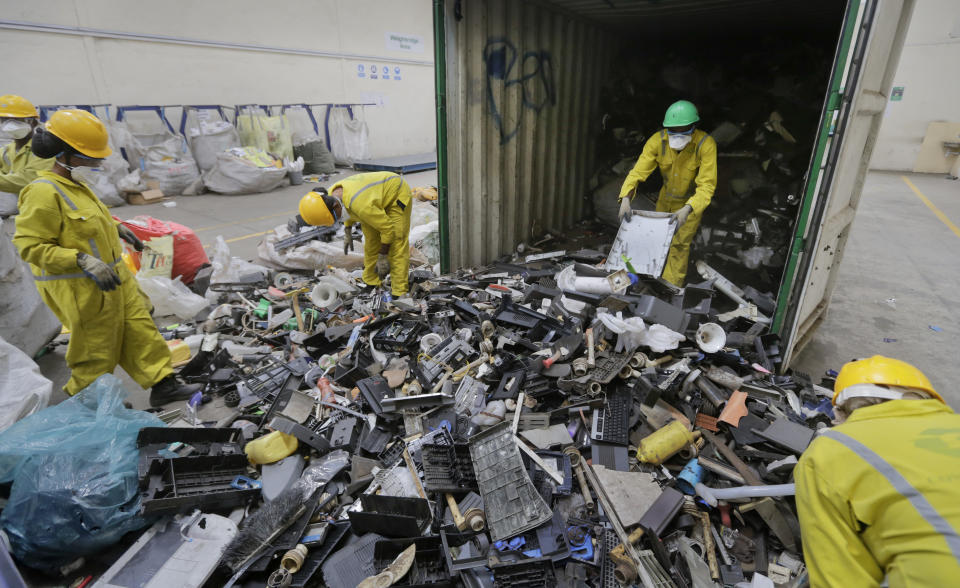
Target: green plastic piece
[262,310]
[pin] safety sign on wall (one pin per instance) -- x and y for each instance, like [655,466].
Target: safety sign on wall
[378,72]
[401,42]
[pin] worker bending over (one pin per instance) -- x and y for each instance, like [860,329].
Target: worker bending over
[381,203]
[73,247]
[18,164]
[879,495]
[687,158]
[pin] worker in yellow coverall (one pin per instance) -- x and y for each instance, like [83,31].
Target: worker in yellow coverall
[381,203]
[73,247]
[687,158]
[18,164]
[879,495]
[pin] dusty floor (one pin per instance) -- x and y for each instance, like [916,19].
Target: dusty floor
[899,249]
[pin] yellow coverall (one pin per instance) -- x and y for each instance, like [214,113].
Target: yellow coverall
[19,167]
[689,177]
[882,498]
[382,203]
[59,218]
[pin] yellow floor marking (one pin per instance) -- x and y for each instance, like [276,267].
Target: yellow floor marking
[242,221]
[943,218]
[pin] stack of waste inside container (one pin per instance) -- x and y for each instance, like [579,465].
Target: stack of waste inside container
[537,422]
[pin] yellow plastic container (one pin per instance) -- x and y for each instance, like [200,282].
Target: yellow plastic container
[270,448]
[665,442]
[179,352]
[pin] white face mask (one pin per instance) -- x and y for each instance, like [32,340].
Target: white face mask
[15,129]
[678,142]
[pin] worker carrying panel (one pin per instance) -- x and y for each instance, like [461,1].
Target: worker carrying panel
[689,179]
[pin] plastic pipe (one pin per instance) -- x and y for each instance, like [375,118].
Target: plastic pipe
[593,285]
[744,492]
[705,493]
[591,358]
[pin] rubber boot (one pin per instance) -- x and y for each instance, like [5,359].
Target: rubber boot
[169,390]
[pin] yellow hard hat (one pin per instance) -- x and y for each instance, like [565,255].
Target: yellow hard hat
[882,371]
[80,130]
[13,106]
[316,208]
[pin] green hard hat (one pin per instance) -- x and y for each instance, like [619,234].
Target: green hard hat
[680,114]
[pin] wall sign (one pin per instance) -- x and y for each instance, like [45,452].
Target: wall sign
[407,43]
[896,95]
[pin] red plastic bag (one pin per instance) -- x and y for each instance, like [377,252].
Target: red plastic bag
[188,253]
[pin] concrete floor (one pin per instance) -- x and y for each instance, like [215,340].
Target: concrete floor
[898,249]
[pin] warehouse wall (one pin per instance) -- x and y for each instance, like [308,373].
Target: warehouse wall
[317,46]
[931,88]
[523,91]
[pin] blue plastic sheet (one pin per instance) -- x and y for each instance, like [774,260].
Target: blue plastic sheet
[74,473]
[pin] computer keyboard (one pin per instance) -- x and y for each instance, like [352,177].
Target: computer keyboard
[611,424]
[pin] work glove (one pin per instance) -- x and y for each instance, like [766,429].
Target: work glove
[383,265]
[347,239]
[625,211]
[98,271]
[682,214]
[130,237]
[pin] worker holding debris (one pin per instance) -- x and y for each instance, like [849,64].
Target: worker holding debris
[73,247]
[878,496]
[18,164]
[381,203]
[687,158]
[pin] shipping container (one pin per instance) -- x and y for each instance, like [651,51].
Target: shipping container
[518,93]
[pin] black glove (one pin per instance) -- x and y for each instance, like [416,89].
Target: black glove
[98,271]
[130,237]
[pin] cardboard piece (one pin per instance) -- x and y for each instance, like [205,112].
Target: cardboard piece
[151,195]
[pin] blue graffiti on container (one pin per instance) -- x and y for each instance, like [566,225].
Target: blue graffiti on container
[532,72]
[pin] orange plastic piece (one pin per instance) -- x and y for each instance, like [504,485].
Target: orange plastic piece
[735,409]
